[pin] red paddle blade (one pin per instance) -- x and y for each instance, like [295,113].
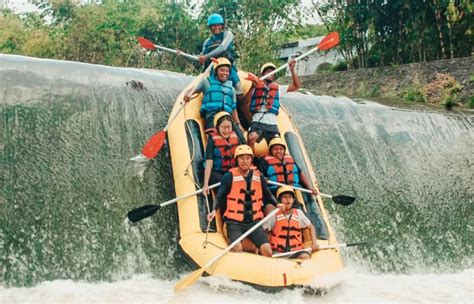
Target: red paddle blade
[330,41]
[147,44]
[154,144]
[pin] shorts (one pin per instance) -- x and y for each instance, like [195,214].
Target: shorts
[236,230]
[264,130]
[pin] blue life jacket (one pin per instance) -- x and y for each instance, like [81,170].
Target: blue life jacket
[213,42]
[219,97]
[265,96]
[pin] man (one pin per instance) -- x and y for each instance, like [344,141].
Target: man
[244,197]
[221,44]
[219,95]
[265,103]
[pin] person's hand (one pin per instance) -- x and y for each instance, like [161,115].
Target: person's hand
[202,59]
[315,191]
[205,189]
[211,215]
[187,98]
[315,247]
[178,52]
[281,207]
[291,64]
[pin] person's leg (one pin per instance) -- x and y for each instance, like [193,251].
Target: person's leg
[260,239]
[234,231]
[209,127]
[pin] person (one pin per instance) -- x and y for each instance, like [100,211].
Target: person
[220,150]
[287,224]
[219,95]
[221,44]
[265,103]
[278,166]
[244,198]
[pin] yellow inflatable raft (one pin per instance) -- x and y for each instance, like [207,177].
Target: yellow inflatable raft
[186,143]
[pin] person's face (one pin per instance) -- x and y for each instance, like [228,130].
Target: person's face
[268,70]
[216,29]
[225,129]
[287,199]
[244,162]
[278,151]
[223,73]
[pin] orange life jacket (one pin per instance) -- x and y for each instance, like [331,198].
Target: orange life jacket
[286,234]
[265,95]
[223,154]
[236,197]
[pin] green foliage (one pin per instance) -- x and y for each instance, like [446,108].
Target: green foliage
[471,102]
[340,66]
[379,33]
[415,94]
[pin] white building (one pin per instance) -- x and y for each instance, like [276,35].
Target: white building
[309,65]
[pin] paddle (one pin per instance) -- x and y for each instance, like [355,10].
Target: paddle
[142,212]
[338,199]
[328,42]
[189,280]
[147,44]
[322,247]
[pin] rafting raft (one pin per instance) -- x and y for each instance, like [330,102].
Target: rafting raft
[186,143]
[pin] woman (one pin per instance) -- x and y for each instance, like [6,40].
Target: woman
[220,149]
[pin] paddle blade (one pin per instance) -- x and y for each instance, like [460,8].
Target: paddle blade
[154,144]
[147,44]
[189,280]
[139,214]
[330,41]
[343,199]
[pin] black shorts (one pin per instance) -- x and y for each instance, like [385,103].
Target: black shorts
[264,130]
[236,230]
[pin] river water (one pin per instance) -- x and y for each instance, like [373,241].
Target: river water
[69,129]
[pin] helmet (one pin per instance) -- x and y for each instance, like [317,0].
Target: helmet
[220,62]
[215,19]
[266,66]
[276,141]
[219,116]
[285,189]
[243,150]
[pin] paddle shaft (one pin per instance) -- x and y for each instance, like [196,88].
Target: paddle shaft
[298,188]
[243,236]
[180,53]
[322,247]
[188,195]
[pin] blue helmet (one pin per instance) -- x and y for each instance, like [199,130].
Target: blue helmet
[215,19]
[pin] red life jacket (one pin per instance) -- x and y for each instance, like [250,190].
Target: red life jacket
[286,234]
[265,95]
[223,155]
[285,172]
[236,197]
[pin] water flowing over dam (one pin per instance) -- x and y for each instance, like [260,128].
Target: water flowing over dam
[68,131]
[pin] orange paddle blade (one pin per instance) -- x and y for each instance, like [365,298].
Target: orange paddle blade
[330,41]
[147,44]
[154,145]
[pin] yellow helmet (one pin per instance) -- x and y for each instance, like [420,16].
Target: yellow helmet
[285,189]
[276,141]
[266,66]
[219,116]
[243,150]
[222,61]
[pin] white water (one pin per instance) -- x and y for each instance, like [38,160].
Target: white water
[351,286]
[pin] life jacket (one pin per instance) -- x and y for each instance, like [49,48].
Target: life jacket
[219,96]
[265,95]
[223,156]
[285,172]
[213,42]
[286,234]
[236,197]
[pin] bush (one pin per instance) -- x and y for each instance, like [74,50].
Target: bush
[414,94]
